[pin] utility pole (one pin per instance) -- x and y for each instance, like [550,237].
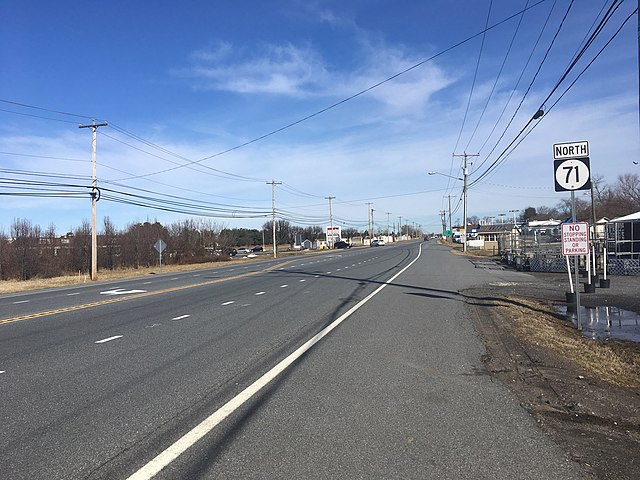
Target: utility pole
[464,193]
[400,226]
[388,213]
[443,218]
[330,222]
[94,197]
[273,184]
[373,225]
[369,211]
[450,224]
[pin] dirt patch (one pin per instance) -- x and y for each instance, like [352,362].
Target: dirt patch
[584,393]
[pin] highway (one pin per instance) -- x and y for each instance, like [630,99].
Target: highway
[358,363]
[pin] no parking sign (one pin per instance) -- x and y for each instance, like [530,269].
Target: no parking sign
[575,238]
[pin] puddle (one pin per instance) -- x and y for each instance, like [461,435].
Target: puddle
[601,323]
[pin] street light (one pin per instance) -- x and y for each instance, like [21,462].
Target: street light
[445,175]
[514,215]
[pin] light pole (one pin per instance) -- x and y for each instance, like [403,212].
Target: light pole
[514,215]
[501,215]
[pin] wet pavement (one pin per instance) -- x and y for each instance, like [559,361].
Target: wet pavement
[606,322]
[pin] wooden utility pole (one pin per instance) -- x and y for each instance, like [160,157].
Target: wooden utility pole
[273,184]
[94,198]
[464,193]
[330,222]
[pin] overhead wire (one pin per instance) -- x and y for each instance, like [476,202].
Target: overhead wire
[475,76]
[521,135]
[495,83]
[504,155]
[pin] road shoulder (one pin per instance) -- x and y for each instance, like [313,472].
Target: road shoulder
[596,422]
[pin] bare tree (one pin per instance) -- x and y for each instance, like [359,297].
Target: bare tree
[108,245]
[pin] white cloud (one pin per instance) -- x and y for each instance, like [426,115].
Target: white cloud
[273,69]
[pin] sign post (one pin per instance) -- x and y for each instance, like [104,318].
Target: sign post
[571,173]
[160,245]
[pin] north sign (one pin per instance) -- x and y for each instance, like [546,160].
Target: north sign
[563,151]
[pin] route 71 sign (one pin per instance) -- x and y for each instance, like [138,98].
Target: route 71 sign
[572,170]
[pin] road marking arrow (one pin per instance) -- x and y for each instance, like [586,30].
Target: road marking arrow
[121,291]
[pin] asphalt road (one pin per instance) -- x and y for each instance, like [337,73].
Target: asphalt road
[100,380]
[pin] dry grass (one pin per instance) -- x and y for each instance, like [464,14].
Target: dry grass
[13,286]
[616,362]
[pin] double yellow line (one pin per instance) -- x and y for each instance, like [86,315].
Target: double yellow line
[134,296]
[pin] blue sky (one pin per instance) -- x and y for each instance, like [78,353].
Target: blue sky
[200,83]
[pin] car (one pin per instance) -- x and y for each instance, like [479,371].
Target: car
[257,248]
[377,243]
[341,244]
[244,250]
[374,243]
[232,252]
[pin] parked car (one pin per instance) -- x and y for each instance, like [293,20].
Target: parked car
[244,250]
[377,243]
[341,244]
[232,252]
[257,248]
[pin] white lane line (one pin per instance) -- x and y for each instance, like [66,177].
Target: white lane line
[174,278]
[328,273]
[153,326]
[228,303]
[284,286]
[147,283]
[260,293]
[316,276]
[172,452]
[303,280]
[196,275]
[73,294]
[2,371]
[245,305]
[105,340]
[181,317]
[21,301]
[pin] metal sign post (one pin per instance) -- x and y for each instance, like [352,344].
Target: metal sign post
[572,172]
[160,245]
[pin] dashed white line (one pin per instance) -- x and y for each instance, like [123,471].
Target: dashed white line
[147,283]
[260,293]
[174,278]
[181,317]
[303,280]
[21,301]
[284,286]
[167,456]
[228,303]
[196,275]
[72,294]
[105,340]
[2,371]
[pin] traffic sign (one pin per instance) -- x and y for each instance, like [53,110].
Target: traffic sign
[160,245]
[563,151]
[575,238]
[572,174]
